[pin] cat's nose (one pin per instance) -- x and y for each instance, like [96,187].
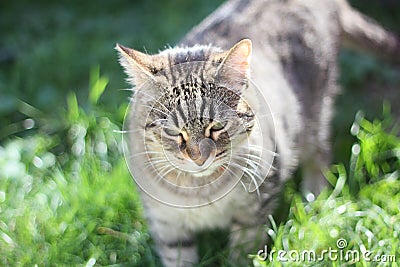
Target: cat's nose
[193,151]
[197,158]
[200,161]
[199,153]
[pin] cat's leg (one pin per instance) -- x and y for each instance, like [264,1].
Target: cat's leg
[313,170]
[174,243]
[249,224]
[245,239]
[318,154]
[180,253]
[315,163]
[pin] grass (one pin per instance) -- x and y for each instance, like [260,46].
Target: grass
[66,196]
[362,208]
[79,207]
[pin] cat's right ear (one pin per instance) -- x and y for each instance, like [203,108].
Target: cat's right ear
[137,65]
[235,67]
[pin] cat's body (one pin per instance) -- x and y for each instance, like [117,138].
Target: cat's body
[293,64]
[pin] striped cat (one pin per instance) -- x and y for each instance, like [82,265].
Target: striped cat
[218,123]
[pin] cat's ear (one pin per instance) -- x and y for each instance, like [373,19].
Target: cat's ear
[137,65]
[236,62]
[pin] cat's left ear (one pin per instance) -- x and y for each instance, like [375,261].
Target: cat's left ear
[236,62]
[137,65]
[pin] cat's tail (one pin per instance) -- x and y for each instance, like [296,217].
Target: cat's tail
[365,34]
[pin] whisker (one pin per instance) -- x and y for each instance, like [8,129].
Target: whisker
[160,169]
[156,162]
[169,168]
[258,162]
[177,177]
[139,154]
[253,179]
[226,168]
[252,175]
[244,186]
[148,152]
[158,110]
[130,131]
[152,97]
[120,131]
[150,166]
[149,95]
[125,89]
[157,120]
[255,147]
[249,171]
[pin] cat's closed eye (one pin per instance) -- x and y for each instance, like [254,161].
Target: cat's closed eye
[172,131]
[215,129]
[217,126]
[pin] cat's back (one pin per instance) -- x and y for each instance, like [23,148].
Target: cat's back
[302,38]
[266,21]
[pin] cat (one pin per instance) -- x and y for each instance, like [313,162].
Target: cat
[217,124]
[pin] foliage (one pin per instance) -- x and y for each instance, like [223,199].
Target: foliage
[362,209]
[74,207]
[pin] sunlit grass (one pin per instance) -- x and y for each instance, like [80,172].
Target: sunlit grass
[362,210]
[77,207]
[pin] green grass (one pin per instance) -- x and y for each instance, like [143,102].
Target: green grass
[362,208]
[66,196]
[77,207]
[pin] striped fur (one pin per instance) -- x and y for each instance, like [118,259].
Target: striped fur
[194,106]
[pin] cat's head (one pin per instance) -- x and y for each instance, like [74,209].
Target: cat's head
[190,105]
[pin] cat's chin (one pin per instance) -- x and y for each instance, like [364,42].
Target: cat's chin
[205,172]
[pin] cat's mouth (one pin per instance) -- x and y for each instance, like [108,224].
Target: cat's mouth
[201,166]
[211,166]
[201,160]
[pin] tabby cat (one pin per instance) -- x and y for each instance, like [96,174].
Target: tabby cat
[217,124]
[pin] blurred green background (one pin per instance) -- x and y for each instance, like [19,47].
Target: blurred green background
[48,47]
[66,197]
